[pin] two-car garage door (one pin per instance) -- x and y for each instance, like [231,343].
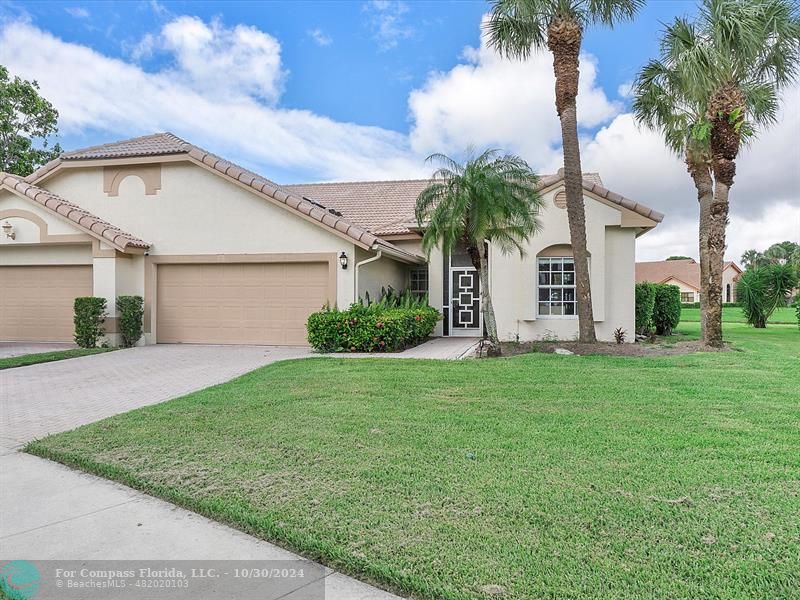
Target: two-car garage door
[239,303]
[36,302]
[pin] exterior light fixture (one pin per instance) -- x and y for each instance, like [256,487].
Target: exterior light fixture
[8,229]
[343,260]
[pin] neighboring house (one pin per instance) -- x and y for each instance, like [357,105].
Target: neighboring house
[222,255]
[686,275]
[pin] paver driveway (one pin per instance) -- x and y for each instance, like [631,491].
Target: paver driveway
[47,398]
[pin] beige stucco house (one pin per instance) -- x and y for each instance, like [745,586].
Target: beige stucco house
[222,255]
[686,275]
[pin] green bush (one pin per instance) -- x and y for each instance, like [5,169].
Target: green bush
[645,301]
[797,310]
[697,305]
[131,314]
[666,308]
[760,291]
[90,314]
[371,328]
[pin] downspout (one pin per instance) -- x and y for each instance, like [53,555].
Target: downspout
[358,265]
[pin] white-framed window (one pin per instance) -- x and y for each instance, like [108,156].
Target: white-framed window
[418,281]
[687,297]
[556,297]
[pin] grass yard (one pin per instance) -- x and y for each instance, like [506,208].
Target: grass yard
[549,476]
[733,314]
[43,357]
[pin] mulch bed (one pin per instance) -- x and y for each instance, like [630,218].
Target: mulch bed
[661,347]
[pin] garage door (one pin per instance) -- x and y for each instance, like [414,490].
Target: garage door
[264,303]
[36,302]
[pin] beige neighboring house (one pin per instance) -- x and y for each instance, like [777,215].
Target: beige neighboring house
[222,255]
[686,275]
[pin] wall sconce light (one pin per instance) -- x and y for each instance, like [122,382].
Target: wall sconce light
[343,260]
[8,229]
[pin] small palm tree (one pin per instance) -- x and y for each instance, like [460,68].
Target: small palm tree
[490,198]
[728,68]
[752,259]
[518,27]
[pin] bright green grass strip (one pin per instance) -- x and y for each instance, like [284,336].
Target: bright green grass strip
[43,357]
[733,314]
[551,476]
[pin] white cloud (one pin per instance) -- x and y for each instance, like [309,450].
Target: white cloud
[122,100]
[77,11]
[492,101]
[387,20]
[320,37]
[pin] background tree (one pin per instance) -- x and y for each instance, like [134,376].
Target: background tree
[491,197]
[733,60]
[752,259]
[27,121]
[518,27]
[679,258]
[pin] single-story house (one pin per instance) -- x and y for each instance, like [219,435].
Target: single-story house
[222,255]
[685,274]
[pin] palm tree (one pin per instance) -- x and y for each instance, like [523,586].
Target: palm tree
[753,259]
[666,100]
[518,27]
[729,67]
[490,198]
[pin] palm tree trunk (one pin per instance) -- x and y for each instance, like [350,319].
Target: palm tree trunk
[703,182]
[717,223]
[486,300]
[564,40]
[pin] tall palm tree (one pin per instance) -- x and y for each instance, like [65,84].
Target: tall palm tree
[518,27]
[490,198]
[725,72]
[752,259]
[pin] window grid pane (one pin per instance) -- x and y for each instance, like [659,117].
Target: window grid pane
[556,281]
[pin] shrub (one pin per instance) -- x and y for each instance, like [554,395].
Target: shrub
[131,313]
[90,314]
[697,305]
[645,301]
[797,310]
[666,308]
[371,328]
[760,291]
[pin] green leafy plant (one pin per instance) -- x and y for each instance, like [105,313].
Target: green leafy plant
[797,310]
[131,315]
[666,308]
[90,314]
[645,301]
[760,291]
[373,328]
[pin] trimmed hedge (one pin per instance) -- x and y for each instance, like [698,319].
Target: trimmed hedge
[645,302]
[667,308]
[370,328]
[131,315]
[90,314]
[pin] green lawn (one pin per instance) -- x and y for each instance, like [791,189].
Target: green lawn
[43,357]
[550,476]
[733,314]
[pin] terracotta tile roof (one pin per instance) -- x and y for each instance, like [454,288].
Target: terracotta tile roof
[159,144]
[387,207]
[156,144]
[56,204]
[687,271]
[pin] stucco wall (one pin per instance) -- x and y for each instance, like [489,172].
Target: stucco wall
[46,255]
[198,212]
[729,277]
[379,274]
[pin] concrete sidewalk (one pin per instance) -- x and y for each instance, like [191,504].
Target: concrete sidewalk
[50,512]
[438,348]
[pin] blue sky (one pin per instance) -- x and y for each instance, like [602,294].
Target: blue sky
[311,91]
[354,74]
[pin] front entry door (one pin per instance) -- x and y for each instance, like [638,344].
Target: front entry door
[465,302]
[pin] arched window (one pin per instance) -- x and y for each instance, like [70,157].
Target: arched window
[555,283]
